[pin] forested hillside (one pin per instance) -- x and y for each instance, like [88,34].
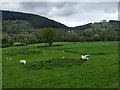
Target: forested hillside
[35,20]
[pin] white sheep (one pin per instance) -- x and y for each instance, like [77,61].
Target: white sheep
[63,57]
[25,52]
[85,57]
[23,62]
[10,58]
[43,51]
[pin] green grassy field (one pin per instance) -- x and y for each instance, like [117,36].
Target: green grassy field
[47,69]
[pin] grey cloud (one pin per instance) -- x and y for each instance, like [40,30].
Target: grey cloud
[68,8]
[34,5]
[50,8]
[64,9]
[46,4]
[109,10]
[74,12]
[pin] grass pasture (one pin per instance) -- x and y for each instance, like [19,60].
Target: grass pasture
[47,69]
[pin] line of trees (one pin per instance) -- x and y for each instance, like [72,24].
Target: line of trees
[49,35]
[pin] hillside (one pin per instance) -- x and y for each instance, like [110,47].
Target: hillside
[35,20]
[27,28]
[83,27]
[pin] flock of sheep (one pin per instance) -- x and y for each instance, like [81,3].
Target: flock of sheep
[83,57]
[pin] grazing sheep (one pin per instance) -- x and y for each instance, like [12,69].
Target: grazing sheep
[25,52]
[43,51]
[10,58]
[85,57]
[23,62]
[63,57]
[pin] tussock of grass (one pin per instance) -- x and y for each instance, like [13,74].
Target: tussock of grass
[54,63]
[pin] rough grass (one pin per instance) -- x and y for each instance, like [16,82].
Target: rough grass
[47,69]
[54,63]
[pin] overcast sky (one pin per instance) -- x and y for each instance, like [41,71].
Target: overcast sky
[68,13]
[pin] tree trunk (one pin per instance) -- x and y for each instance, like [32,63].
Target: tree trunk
[50,43]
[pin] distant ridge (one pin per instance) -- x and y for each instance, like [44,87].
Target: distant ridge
[36,20]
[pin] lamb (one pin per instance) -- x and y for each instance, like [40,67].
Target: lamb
[85,57]
[23,62]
